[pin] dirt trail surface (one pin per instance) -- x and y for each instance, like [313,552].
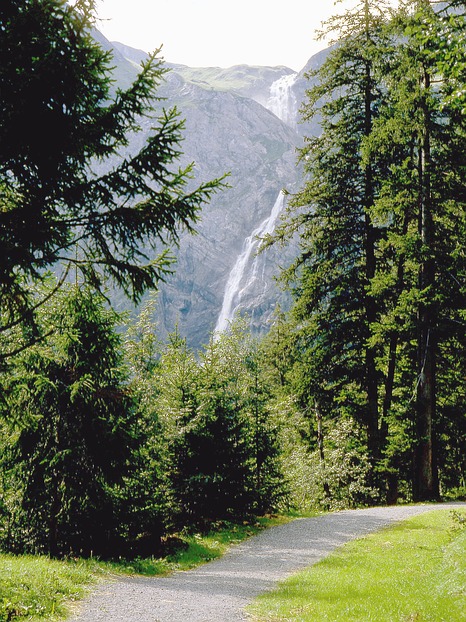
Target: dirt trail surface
[220,590]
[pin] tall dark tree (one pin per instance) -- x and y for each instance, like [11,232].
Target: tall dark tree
[61,127]
[426,477]
[78,440]
[335,307]
[379,298]
[222,447]
[244,362]
[423,198]
[218,465]
[146,491]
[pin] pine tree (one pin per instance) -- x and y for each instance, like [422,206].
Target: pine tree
[223,455]
[78,440]
[61,123]
[218,462]
[335,308]
[421,200]
[379,298]
[176,402]
[147,492]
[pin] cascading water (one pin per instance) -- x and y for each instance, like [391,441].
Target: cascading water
[282,101]
[248,273]
[242,277]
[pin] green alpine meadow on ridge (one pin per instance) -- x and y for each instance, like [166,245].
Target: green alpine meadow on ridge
[120,437]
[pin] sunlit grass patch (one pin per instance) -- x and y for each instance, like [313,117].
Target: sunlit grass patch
[414,571]
[38,588]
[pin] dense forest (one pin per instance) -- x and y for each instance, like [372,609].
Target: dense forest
[111,440]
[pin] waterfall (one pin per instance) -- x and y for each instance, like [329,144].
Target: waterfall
[282,101]
[241,277]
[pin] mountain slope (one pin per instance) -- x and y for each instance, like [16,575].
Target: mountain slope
[230,128]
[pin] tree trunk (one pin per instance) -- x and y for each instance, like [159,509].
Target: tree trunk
[425,485]
[370,269]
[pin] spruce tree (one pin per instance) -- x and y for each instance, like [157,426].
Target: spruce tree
[218,454]
[78,440]
[422,201]
[335,308]
[68,192]
[175,381]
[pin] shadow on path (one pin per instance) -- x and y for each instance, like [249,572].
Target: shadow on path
[220,590]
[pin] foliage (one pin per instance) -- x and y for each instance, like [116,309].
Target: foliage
[376,330]
[109,443]
[223,457]
[176,405]
[423,197]
[334,478]
[334,308]
[345,473]
[76,447]
[73,189]
[269,485]
[150,486]
[109,456]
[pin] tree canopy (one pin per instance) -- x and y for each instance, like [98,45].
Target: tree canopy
[378,325]
[73,190]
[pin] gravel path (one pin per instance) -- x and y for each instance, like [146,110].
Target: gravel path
[220,590]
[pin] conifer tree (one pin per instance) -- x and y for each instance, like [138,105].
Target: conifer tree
[423,200]
[245,362]
[77,441]
[335,308]
[380,289]
[176,403]
[222,447]
[62,125]
[219,458]
[149,486]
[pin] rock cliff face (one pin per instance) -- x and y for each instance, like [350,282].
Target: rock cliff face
[232,126]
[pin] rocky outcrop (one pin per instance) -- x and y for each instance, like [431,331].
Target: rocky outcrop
[229,129]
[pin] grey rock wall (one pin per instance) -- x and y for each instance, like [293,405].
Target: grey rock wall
[228,130]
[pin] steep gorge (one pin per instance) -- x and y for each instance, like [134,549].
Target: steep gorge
[241,120]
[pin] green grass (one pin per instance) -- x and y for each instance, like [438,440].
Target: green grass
[38,588]
[412,572]
[34,588]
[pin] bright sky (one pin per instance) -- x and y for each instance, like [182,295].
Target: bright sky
[203,33]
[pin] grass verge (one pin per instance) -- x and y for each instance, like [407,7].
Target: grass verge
[36,589]
[412,572]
